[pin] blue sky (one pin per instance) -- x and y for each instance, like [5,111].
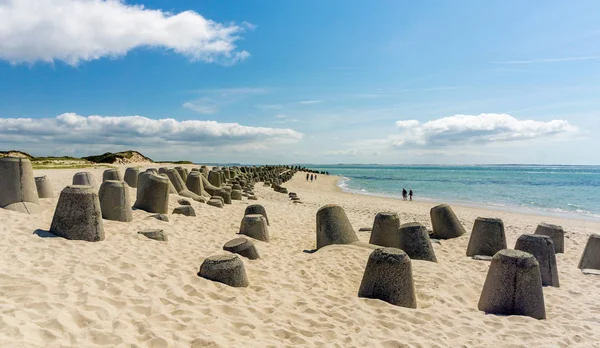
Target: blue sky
[303,81]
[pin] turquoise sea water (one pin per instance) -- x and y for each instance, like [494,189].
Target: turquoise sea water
[556,190]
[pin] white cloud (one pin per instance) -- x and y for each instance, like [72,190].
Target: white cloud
[484,128]
[407,124]
[211,100]
[280,116]
[72,129]
[83,30]
[549,60]
[269,106]
[204,107]
[308,102]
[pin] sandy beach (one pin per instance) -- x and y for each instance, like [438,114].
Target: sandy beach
[130,291]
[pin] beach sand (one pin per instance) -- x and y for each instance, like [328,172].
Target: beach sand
[130,291]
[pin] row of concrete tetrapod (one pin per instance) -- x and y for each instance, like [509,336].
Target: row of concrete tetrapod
[514,282]
[80,210]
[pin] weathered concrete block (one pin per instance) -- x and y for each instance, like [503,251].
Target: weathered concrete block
[333,227]
[414,241]
[236,195]
[131,176]
[214,177]
[18,191]
[152,193]
[487,237]
[227,269]
[513,286]
[445,223]
[114,201]
[156,234]
[556,233]
[215,203]
[225,195]
[242,246]
[112,174]
[84,179]
[185,210]
[542,248]
[386,230]
[590,259]
[44,188]
[257,209]
[160,217]
[255,226]
[78,215]
[388,277]
[183,173]
[195,184]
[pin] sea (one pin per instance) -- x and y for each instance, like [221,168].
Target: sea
[556,190]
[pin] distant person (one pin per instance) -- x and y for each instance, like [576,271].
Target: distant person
[315,177]
[306,176]
[410,194]
[311,178]
[404,194]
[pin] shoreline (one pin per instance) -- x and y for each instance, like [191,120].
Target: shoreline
[476,205]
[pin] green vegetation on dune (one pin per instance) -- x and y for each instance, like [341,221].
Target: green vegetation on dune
[111,157]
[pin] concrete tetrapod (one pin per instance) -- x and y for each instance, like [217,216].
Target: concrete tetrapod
[242,246]
[386,230]
[44,188]
[183,173]
[590,259]
[542,248]
[85,179]
[18,191]
[227,269]
[180,186]
[445,223]
[556,233]
[78,215]
[204,171]
[414,241]
[388,277]
[214,177]
[236,195]
[114,201]
[513,286]
[225,195]
[257,209]
[215,202]
[131,176]
[195,184]
[152,193]
[255,226]
[112,174]
[208,187]
[487,237]
[333,227]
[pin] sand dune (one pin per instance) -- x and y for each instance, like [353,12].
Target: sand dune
[132,291]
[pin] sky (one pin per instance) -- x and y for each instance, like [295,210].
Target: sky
[311,81]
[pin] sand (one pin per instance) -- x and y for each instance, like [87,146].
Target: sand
[130,291]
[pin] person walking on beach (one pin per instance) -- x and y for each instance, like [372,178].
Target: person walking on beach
[311,178]
[315,177]
[306,176]
[410,194]
[404,194]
